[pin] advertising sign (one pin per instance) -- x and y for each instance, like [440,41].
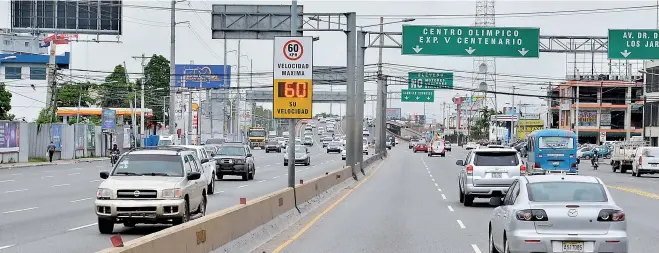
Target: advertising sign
[203,76]
[108,119]
[127,134]
[91,136]
[393,113]
[293,78]
[420,119]
[79,135]
[56,134]
[9,136]
[588,118]
[429,80]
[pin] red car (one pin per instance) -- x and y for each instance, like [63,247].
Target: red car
[420,147]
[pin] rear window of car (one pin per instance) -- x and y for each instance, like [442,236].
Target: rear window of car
[273,142]
[566,192]
[496,159]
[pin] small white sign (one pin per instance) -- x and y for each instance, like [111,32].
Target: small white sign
[293,58]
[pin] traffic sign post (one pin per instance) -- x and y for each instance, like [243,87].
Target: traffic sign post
[633,44]
[429,80]
[417,95]
[519,42]
[293,78]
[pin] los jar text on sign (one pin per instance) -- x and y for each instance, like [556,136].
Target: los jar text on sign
[471,36]
[641,39]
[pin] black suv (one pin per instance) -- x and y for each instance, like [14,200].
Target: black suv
[272,145]
[234,158]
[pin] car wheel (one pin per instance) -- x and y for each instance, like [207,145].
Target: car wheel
[462,196]
[506,247]
[429,154]
[186,215]
[202,206]
[267,151]
[245,176]
[468,200]
[105,226]
[586,157]
[211,186]
[492,248]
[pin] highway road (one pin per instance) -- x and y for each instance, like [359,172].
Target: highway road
[50,208]
[411,204]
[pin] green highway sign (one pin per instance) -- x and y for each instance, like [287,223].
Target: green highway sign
[417,95]
[429,80]
[520,42]
[634,44]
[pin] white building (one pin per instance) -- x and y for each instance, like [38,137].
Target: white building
[21,43]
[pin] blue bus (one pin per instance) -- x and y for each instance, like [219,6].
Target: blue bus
[552,151]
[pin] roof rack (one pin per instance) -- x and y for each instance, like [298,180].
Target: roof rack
[172,148]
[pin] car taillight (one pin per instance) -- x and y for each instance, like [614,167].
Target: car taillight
[640,160]
[522,169]
[574,165]
[470,170]
[536,165]
[610,215]
[532,215]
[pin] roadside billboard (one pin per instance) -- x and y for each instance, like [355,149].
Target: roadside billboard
[393,113]
[108,119]
[91,137]
[202,76]
[79,135]
[56,134]
[9,136]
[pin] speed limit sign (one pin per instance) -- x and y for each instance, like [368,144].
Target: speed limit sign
[293,74]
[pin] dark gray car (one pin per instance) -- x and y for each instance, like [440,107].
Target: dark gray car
[235,159]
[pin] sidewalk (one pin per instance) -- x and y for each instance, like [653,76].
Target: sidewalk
[57,162]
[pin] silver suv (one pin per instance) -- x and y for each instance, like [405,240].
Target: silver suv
[162,185]
[488,173]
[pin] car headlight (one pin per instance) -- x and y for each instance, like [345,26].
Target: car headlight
[238,161]
[172,193]
[103,193]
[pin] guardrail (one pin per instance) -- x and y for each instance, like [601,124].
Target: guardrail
[217,229]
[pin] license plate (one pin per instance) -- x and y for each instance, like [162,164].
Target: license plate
[654,165]
[573,247]
[496,175]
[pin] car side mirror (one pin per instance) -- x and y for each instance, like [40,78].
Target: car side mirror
[496,201]
[249,155]
[633,155]
[194,175]
[205,160]
[212,155]
[104,174]
[459,163]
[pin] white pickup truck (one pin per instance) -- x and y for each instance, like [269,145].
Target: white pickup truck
[622,155]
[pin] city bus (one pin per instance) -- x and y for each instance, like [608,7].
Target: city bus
[552,151]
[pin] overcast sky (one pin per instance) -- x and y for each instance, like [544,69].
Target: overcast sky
[147,31]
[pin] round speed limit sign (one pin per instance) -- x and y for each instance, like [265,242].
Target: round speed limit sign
[293,50]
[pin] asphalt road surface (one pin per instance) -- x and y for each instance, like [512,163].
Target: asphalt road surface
[410,204]
[51,208]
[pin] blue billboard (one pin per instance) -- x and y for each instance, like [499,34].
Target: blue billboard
[108,119]
[202,76]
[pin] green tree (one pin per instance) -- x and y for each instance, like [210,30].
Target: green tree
[5,103]
[480,129]
[69,94]
[115,90]
[263,117]
[156,86]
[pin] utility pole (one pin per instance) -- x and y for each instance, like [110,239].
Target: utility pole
[188,139]
[209,101]
[359,87]
[576,115]
[351,92]
[600,97]
[143,64]
[51,96]
[550,116]
[237,101]
[226,78]
[379,125]
[172,70]
[512,123]
[291,122]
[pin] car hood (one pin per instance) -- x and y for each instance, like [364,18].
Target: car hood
[218,157]
[142,182]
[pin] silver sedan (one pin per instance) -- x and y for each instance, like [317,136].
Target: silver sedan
[557,213]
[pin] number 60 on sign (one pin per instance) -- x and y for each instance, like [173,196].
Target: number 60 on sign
[292,99]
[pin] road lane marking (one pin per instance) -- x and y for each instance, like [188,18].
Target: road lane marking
[461,224]
[439,189]
[18,174]
[275,177]
[431,175]
[78,200]
[635,191]
[443,196]
[77,168]
[436,185]
[476,249]
[60,185]
[20,210]
[81,227]
[6,181]
[71,174]
[242,186]
[7,246]
[433,179]
[47,176]
[329,208]
[450,208]
[12,191]
[97,180]
[261,181]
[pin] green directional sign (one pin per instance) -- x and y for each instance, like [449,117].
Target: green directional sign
[417,95]
[521,42]
[429,80]
[634,44]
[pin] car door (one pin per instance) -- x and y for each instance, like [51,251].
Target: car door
[502,214]
[463,171]
[207,167]
[201,183]
[191,185]
[249,159]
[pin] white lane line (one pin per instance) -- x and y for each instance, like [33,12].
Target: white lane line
[450,208]
[242,186]
[5,181]
[100,166]
[275,177]
[461,224]
[433,179]
[476,249]
[18,174]
[97,180]
[443,196]
[60,185]
[71,174]
[47,176]
[261,181]
[7,246]
[78,200]
[20,210]
[436,185]
[81,227]
[220,191]
[12,191]
[77,168]
[439,189]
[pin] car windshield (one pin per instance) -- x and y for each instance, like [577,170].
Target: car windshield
[231,151]
[149,165]
[273,143]
[556,142]
[335,143]
[165,142]
[496,159]
[256,133]
[300,149]
[566,192]
[209,148]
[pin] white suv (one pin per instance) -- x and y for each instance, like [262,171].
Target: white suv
[488,172]
[208,165]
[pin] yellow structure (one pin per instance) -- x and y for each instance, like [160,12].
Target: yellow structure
[256,137]
[527,126]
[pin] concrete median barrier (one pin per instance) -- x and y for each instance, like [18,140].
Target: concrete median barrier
[235,228]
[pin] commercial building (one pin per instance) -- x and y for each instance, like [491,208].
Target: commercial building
[651,107]
[24,75]
[21,43]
